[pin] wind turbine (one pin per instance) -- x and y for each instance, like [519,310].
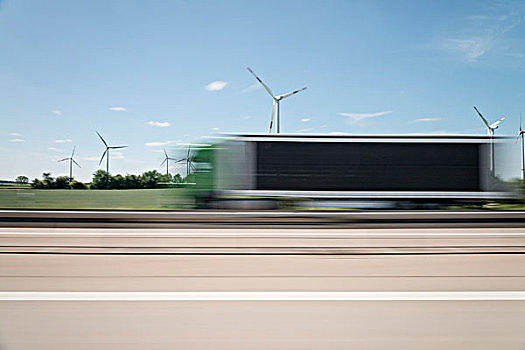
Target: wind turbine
[521,134]
[167,161]
[106,152]
[71,161]
[189,162]
[276,100]
[490,131]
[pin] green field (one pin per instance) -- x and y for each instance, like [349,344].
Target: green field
[14,186]
[144,199]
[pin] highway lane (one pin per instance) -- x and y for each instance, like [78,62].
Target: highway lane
[208,264]
[263,325]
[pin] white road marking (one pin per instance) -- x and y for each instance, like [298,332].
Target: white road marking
[284,233]
[262,296]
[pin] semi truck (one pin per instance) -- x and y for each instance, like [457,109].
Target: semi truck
[297,170]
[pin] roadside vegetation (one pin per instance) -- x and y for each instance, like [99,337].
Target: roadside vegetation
[143,199]
[150,190]
[105,181]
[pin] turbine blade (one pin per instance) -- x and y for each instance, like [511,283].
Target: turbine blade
[61,160]
[164,161]
[188,155]
[76,163]
[520,122]
[117,147]
[290,93]
[260,81]
[73,153]
[495,124]
[103,154]
[273,113]
[105,144]
[166,153]
[484,120]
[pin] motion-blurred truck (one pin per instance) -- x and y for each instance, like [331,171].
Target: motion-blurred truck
[259,171]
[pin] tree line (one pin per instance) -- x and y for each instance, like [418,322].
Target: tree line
[102,180]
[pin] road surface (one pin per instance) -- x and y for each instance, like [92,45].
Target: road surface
[254,288]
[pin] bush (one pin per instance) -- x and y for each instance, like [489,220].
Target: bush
[22,179]
[49,181]
[101,180]
[37,184]
[132,181]
[118,182]
[151,178]
[62,182]
[77,185]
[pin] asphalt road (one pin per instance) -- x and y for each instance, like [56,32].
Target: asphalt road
[279,288]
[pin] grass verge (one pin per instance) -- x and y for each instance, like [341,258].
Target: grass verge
[143,199]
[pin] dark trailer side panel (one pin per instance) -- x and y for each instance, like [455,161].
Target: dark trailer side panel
[367,166]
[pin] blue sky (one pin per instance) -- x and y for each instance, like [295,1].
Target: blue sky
[154,74]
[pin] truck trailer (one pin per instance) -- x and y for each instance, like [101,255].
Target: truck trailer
[400,171]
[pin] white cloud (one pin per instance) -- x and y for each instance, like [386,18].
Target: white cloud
[216,85]
[57,112]
[117,109]
[117,155]
[516,54]
[357,117]
[490,35]
[181,144]
[159,124]
[215,129]
[304,120]
[63,141]
[161,143]
[156,143]
[487,18]
[14,134]
[305,130]
[470,49]
[477,17]
[16,140]
[252,87]
[424,120]
[114,155]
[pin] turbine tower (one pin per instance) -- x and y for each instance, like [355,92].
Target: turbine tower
[71,161]
[490,131]
[167,161]
[276,100]
[189,162]
[106,152]
[521,135]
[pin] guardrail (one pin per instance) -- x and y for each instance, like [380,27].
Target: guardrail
[164,218]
